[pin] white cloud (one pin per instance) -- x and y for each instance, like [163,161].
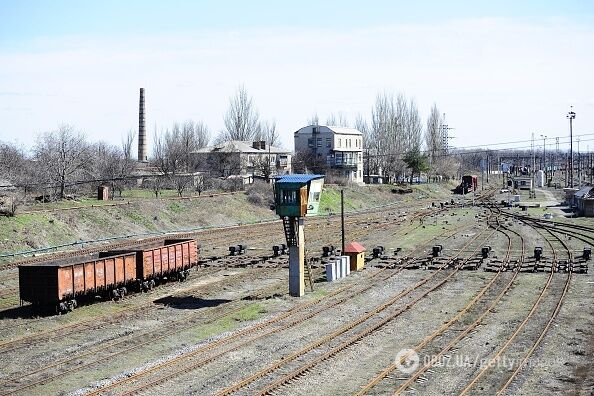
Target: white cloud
[496,79]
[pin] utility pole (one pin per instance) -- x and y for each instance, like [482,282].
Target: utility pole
[571,117]
[342,219]
[556,160]
[544,157]
[579,167]
[533,164]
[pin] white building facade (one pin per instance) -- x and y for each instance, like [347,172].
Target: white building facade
[340,148]
[242,158]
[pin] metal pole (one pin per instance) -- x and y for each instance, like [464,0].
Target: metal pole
[571,152]
[579,166]
[342,218]
[544,158]
[571,116]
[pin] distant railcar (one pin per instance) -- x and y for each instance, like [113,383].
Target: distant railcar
[63,284]
[469,183]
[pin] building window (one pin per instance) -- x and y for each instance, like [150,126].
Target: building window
[328,143]
[310,143]
[338,159]
[339,142]
[288,197]
[319,141]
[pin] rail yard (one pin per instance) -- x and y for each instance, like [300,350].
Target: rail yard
[454,298]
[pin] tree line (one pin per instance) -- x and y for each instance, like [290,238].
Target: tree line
[396,141]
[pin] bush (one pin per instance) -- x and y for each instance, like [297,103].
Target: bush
[333,178]
[260,193]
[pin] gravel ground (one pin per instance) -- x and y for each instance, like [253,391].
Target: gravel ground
[567,351]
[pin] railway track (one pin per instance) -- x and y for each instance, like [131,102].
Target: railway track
[225,343]
[39,382]
[213,240]
[487,386]
[447,333]
[109,350]
[352,332]
[26,341]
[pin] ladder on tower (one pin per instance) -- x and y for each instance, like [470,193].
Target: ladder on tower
[308,273]
[290,226]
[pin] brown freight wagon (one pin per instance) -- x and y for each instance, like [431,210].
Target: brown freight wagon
[60,283]
[168,259]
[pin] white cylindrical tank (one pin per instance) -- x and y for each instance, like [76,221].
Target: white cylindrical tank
[331,272]
[348,265]
[343,266]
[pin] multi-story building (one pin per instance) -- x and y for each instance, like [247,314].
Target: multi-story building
[239,158]
[339,148]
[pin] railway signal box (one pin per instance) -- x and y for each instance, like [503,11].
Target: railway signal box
[297,196]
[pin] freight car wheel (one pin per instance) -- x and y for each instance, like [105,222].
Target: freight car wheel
[115,295]
[151,284]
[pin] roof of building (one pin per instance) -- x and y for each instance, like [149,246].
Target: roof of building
[297,178]
[354,247]
[336,129]
[585,192]
[6,185]
[241,146]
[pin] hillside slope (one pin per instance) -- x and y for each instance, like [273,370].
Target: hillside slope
[37,230]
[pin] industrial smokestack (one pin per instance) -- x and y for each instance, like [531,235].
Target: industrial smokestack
[142,154]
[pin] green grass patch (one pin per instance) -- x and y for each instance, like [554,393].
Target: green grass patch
[146,193]
[176,207]
[230,322]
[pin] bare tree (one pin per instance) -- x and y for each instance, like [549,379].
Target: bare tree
[265,166]
[160,155]
[339,119]
[15,166]
[181,183]
[201,134]
[242,121]
[413,129]
[433,139]
[268,133]
[314,119]
[62,155]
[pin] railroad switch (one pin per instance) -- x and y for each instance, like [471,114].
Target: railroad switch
[378,251]
[237,250]
[436,251]
[587,253]
[485,251]
[328,251]
[537,253]
[279,249]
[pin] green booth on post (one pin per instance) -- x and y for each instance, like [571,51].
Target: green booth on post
[298,195]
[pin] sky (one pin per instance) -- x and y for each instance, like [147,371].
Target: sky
[499,70]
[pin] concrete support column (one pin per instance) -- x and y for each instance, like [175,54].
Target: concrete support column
[296,264]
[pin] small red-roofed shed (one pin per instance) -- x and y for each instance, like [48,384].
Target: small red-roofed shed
[356,252]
